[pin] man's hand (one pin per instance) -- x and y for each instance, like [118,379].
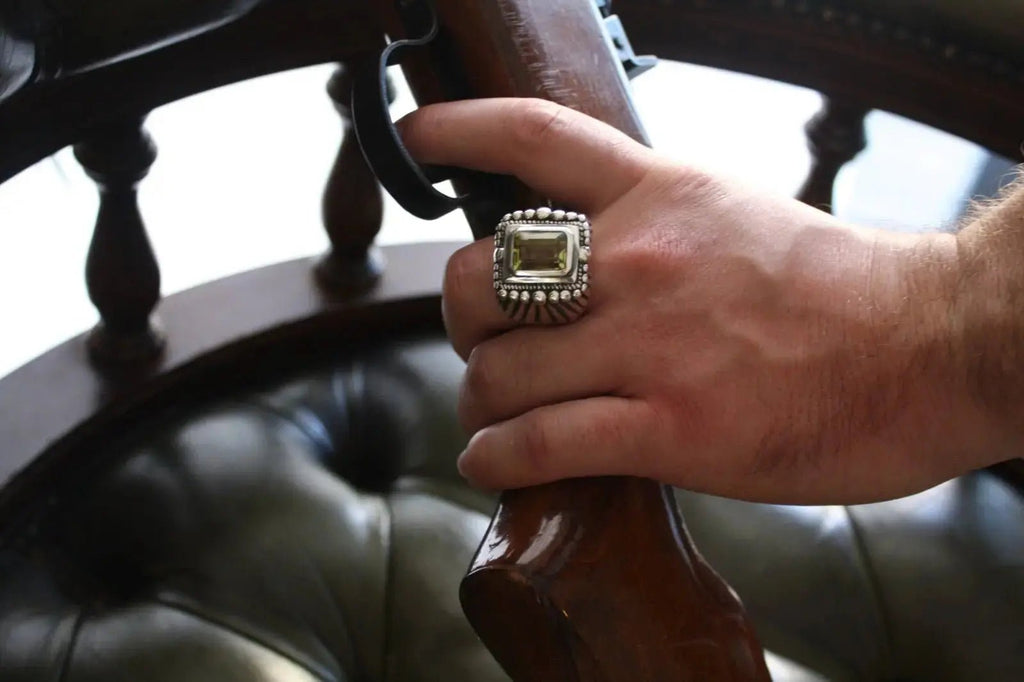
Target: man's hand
[735,343]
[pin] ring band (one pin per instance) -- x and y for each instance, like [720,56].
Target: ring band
[542,265]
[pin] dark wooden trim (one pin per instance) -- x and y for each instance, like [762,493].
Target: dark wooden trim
[835,136]
[121,272]
[945,81]
[353,203]
[53,410]
[276,36]
[1012,472]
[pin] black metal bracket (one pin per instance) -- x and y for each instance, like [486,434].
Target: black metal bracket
[411,184]
[633,64]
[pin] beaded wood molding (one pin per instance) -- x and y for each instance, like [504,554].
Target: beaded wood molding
[855,21]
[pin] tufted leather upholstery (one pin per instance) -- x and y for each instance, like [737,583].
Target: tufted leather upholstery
[930,587]
[316,529]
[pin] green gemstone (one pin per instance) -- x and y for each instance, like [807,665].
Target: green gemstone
[539,252]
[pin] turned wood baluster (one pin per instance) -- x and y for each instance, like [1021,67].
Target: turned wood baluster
[591,580]
[835,136]
[121,271]
[353,205]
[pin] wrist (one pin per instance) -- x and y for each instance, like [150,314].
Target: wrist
[898,386]
[926,347]
[911,333]
[988,316]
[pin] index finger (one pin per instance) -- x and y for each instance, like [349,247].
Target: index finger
[572,158]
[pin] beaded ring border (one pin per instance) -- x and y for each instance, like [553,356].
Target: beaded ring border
[542,265]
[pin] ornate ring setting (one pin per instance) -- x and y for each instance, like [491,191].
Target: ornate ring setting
[542,265]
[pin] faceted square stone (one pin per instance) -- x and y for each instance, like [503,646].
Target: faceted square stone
[538,252]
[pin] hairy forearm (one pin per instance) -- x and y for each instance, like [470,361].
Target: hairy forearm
[989,317]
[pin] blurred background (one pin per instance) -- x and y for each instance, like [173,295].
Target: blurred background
[241,170]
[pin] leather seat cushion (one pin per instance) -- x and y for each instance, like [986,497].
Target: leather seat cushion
[316,529]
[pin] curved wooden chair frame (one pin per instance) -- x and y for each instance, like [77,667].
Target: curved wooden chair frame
[213,332]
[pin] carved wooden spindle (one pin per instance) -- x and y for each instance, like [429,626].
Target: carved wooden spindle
[835,136]
[353,206]
[121,271]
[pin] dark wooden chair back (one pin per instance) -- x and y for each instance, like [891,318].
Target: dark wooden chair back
[146,354]
[87,75]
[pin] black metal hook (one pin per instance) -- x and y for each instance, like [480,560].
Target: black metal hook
[411,184]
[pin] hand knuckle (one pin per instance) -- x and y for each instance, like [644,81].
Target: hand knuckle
[536,441]
[536,121]
[458,274]
[687,186]
[467,409]
[630,262]
[483,380]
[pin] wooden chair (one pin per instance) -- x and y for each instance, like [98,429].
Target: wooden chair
[168,513]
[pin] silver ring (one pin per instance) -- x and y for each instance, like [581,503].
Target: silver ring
[542,265]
